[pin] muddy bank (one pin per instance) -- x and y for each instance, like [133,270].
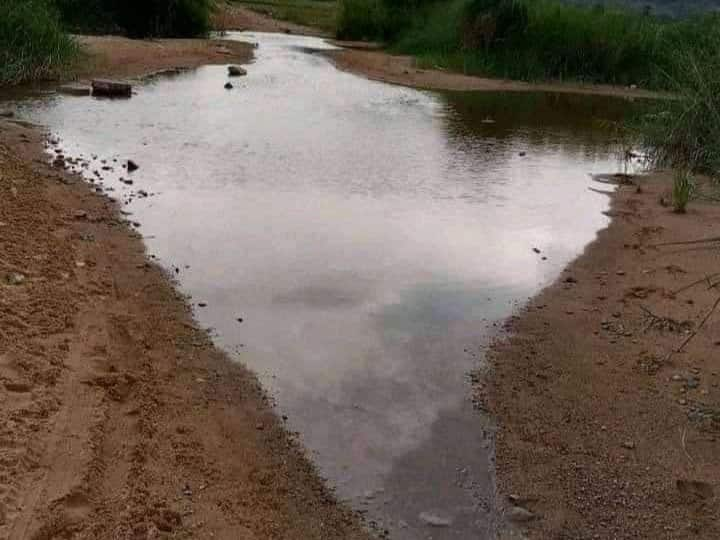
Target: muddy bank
[115,56]
[119,418]
[604,431]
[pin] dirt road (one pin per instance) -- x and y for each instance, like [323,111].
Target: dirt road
[119,418]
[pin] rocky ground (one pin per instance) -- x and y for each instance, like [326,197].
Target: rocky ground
[118,418]
[606,389]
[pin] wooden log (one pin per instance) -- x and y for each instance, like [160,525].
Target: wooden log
[101,87]
[75,90]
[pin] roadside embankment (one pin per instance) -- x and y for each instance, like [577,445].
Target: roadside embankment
[606,389]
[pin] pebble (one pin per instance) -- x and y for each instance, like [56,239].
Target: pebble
[519,514]
[15,278]
[435,520]
[630,445]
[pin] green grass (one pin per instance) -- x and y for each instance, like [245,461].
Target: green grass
[683,187]
[684,133]
[33,45]
[527,39]
[321,14]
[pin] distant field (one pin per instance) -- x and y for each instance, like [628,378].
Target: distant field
[317,13]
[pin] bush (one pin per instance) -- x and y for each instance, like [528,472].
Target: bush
[139,18]
[32,43]
[370,19]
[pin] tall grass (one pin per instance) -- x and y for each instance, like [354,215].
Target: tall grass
[527,39]
[32,42]
[685,132]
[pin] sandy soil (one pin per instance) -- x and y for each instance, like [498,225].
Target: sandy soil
[119,57]
[402,70]
[118,418]
[240,19]
[605,431]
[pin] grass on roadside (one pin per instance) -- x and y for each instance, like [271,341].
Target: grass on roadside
[33,45]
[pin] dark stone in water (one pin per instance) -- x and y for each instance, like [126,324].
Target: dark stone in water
[228,86]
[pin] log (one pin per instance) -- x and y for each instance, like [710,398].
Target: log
[101,87]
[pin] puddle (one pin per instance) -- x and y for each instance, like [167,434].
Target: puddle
[369,237]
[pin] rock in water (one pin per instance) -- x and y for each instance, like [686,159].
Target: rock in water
[228,86]
[435,520]
[132,166]
[102,87]
[236,71]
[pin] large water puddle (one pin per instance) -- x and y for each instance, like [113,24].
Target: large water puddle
[369,237]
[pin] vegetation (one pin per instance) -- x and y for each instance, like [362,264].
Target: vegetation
[139,18]
[683,186]
[685,132]
[526,39]
[32,43]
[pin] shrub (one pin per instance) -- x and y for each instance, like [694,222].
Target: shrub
[32,43]
[139,18]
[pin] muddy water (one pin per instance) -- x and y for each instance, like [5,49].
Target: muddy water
[356,243]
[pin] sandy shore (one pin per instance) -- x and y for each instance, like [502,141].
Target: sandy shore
[397,69]
[119,418]
[605,431]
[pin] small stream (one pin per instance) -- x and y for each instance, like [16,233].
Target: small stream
[356,244]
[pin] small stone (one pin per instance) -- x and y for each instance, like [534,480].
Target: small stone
[522,154]
[80,264]
[228,86]
[536,250]
[132,166]
[570,279]
[677,378]
[15,278]
[630,445]
[80,214]
[682,401]
[518,514]
[260,426]
[236,71]
[202,304]
[692,382]
[620,272]
[434,520]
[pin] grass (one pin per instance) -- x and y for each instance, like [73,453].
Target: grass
[33,45]
[683,187]
[527,39]
[321,14]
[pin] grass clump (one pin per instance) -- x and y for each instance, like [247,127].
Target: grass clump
[683,187]
[33,45]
